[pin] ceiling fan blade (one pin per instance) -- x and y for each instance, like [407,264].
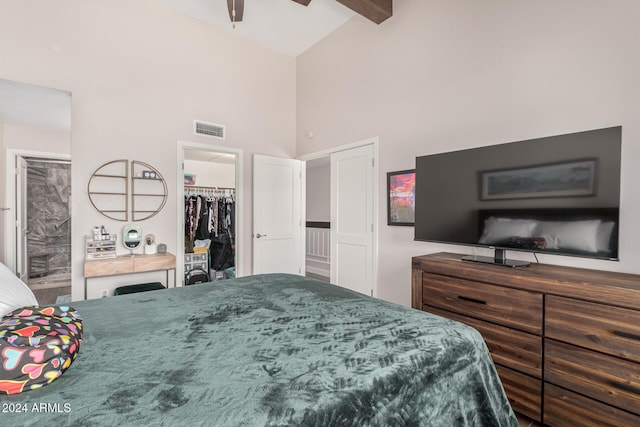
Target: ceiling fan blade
[303,2]
[239,10]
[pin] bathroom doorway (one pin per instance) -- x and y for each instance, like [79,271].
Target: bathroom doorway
[47,251]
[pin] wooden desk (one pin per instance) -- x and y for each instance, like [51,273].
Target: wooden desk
[129,264]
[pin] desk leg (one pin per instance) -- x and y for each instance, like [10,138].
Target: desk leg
[85,288]
[167,277]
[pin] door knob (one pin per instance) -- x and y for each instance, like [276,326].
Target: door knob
[260,235]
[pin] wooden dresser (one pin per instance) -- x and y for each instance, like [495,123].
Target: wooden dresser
[565,341]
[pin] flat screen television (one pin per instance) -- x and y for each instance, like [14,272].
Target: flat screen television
[556,195]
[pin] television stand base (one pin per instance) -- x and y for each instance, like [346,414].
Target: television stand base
[497,261]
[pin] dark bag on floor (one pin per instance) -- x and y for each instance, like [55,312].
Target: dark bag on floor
[197,275]
[222,252]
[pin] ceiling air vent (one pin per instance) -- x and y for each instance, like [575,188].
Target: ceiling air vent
[208,129]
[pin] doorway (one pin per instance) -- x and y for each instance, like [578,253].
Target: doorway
[210,231]
[318,219]
[38,186]
[349,251]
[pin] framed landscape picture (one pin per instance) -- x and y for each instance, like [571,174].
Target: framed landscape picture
[401,197]
[569,179]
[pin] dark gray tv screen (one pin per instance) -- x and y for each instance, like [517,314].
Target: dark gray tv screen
[558,194]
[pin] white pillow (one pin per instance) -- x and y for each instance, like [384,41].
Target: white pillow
[604,236]
[14,292]
[576,235]
[501,229]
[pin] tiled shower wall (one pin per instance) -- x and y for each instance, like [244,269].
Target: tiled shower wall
[49,238]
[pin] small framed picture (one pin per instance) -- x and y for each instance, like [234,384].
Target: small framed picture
[401,197]
[189,179]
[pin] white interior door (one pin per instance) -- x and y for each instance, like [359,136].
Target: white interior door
[21,219]
[278,239]
[352,219]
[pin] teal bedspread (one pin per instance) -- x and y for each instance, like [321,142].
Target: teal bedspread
[268,350]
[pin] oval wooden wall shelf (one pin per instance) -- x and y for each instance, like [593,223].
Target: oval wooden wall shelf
[122,193]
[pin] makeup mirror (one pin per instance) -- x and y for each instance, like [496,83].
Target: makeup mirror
[131,236]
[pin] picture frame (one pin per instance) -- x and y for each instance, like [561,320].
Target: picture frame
[401,197]
[567,179]
[189,179]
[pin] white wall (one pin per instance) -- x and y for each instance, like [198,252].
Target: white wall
[442,75]
[33,138]
[139,75]
[3,212]
[210,174]
[319,193]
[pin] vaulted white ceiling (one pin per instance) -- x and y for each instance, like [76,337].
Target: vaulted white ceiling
[282,25]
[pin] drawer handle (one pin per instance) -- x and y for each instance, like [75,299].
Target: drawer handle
[626,387]
[477,301]
[627,335]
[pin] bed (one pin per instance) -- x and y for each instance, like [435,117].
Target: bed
[267,350]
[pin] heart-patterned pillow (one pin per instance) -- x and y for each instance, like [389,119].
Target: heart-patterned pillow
[37,344]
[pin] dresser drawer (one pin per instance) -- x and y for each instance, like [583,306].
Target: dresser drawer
[602,377]
[610,330]
[514,349]
[108,267]
[509,307]
[563,408]
[524,393]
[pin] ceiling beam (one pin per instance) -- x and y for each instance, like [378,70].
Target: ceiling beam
[374,10]
[303,2]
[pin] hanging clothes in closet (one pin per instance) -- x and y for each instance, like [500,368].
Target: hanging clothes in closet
[210,215]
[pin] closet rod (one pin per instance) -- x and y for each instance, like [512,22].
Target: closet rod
[198,187]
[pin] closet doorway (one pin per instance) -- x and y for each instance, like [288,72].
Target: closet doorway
[210,212]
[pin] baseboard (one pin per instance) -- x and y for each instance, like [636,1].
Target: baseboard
[318,271]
